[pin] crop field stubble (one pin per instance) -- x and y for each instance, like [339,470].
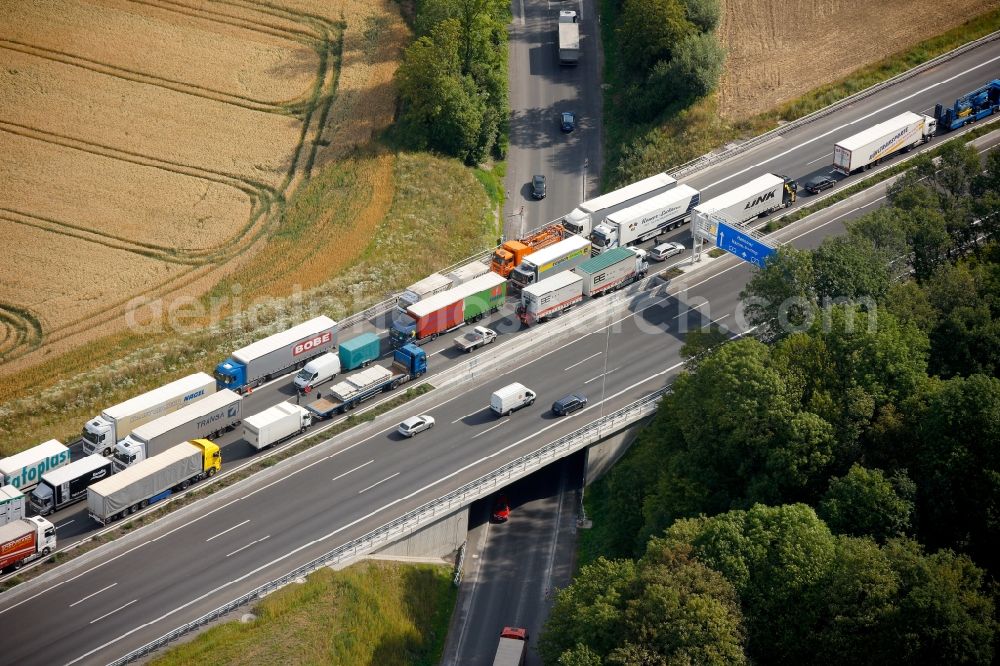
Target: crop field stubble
[151,145]
[778,50]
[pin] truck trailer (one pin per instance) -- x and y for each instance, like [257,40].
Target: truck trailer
[24,470]
[275,424]
[550,297]
[557,258]
[751,200]
[11,504]
[645,220]
[152,480]
[257,363]
[359,351]
[210,417]
[968,108]
[582,220]
[68,485]
[509,256]
[569,37]
[469,271]
[448,310]
[101,433]
[409,362]
[512,648]
[434,283]
[22,541]
[864,149]
[611,271]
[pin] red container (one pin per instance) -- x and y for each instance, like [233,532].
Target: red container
[447,317]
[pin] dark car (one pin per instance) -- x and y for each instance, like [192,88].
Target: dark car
[569,404]
[819,183]
[568,122]
[538,186]
[501,510]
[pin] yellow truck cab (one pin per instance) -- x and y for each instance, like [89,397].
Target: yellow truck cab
[212,455]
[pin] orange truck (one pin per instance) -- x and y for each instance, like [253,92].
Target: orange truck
[509,255]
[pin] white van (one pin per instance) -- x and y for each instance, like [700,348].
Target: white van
[510,398]
[318,371]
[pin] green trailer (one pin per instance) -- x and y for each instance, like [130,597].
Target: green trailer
[359,351]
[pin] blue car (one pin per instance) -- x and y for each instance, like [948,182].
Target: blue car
[568,123]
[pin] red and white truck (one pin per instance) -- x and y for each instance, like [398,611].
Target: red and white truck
[550,297]
[24,540]
[512,648]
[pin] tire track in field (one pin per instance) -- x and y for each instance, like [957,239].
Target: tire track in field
[20,332]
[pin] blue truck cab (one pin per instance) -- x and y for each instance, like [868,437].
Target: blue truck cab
[230,374]
[402,331]
[410,359]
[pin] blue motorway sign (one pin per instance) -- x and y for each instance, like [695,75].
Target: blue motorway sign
[742,245]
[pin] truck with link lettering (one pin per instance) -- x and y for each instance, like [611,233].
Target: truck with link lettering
[210,417]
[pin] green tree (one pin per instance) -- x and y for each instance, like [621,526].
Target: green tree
[780,298]
[864,502]
[695,67]
[845,267]
[648,32]
[704,14]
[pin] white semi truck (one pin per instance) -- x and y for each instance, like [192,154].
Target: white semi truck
[434,283]
[275,424]
[758,197]
[569,37]
[68,485]
[550,297]
[645,220]
[101,433]
[210,417]
[557,258]
[25,469]
[901,133]
[611,271]
[582,220]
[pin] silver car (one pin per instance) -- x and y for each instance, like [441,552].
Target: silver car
[415,424]
[665,250]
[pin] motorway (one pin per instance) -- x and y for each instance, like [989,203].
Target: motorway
[107,602]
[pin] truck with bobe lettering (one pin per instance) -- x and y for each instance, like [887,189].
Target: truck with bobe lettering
[611,270]
[11,504]
[748,201]
[582,219]
[101,433]
[153,480]
[409,362]
[25,469]
[24,540]
[68,485]
[569,37]
[509,256]
[512,648]
[898,134]
[276,354]
[429,318]
[557,258]
[550,297]
[210,417]
[647,219]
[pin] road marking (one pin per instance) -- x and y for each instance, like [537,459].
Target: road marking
[820,158]
[391,476]
[583,361]
[340,476]
[855,121]
[263,538]
[599,376]
[689,310]
[92,595]
[229,530]
[467,415]
[62,525]
[98,619]
[488,429]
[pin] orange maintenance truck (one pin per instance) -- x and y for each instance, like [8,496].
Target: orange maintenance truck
[509,255]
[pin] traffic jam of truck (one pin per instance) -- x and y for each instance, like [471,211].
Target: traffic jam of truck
[155,444]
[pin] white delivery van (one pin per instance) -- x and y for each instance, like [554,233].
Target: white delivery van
[318,371]
[510,398]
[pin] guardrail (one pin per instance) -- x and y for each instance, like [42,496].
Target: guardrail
[425,514]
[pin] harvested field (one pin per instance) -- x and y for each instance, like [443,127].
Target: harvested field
[777,50]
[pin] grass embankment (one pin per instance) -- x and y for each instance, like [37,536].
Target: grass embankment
[439,213]
[371,613]
[635,151]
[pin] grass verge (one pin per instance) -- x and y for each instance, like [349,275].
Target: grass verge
[370,613]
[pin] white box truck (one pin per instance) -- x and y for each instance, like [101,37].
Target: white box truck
[569,37]
[550,297]
[866,148]
[468,272]
[152,480]
[210,417]
[611,270]
[317,371]
[11,504]
[758,197]
[582,220]
[275,424]
[510,398]
[434,283]
[557,258]
[647,219]
[101,433]
[276,354]
[24,470]
[68,485]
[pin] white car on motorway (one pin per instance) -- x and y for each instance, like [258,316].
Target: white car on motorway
[415,424]
[665,250]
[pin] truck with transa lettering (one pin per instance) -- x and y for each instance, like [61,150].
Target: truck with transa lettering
[276,354]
